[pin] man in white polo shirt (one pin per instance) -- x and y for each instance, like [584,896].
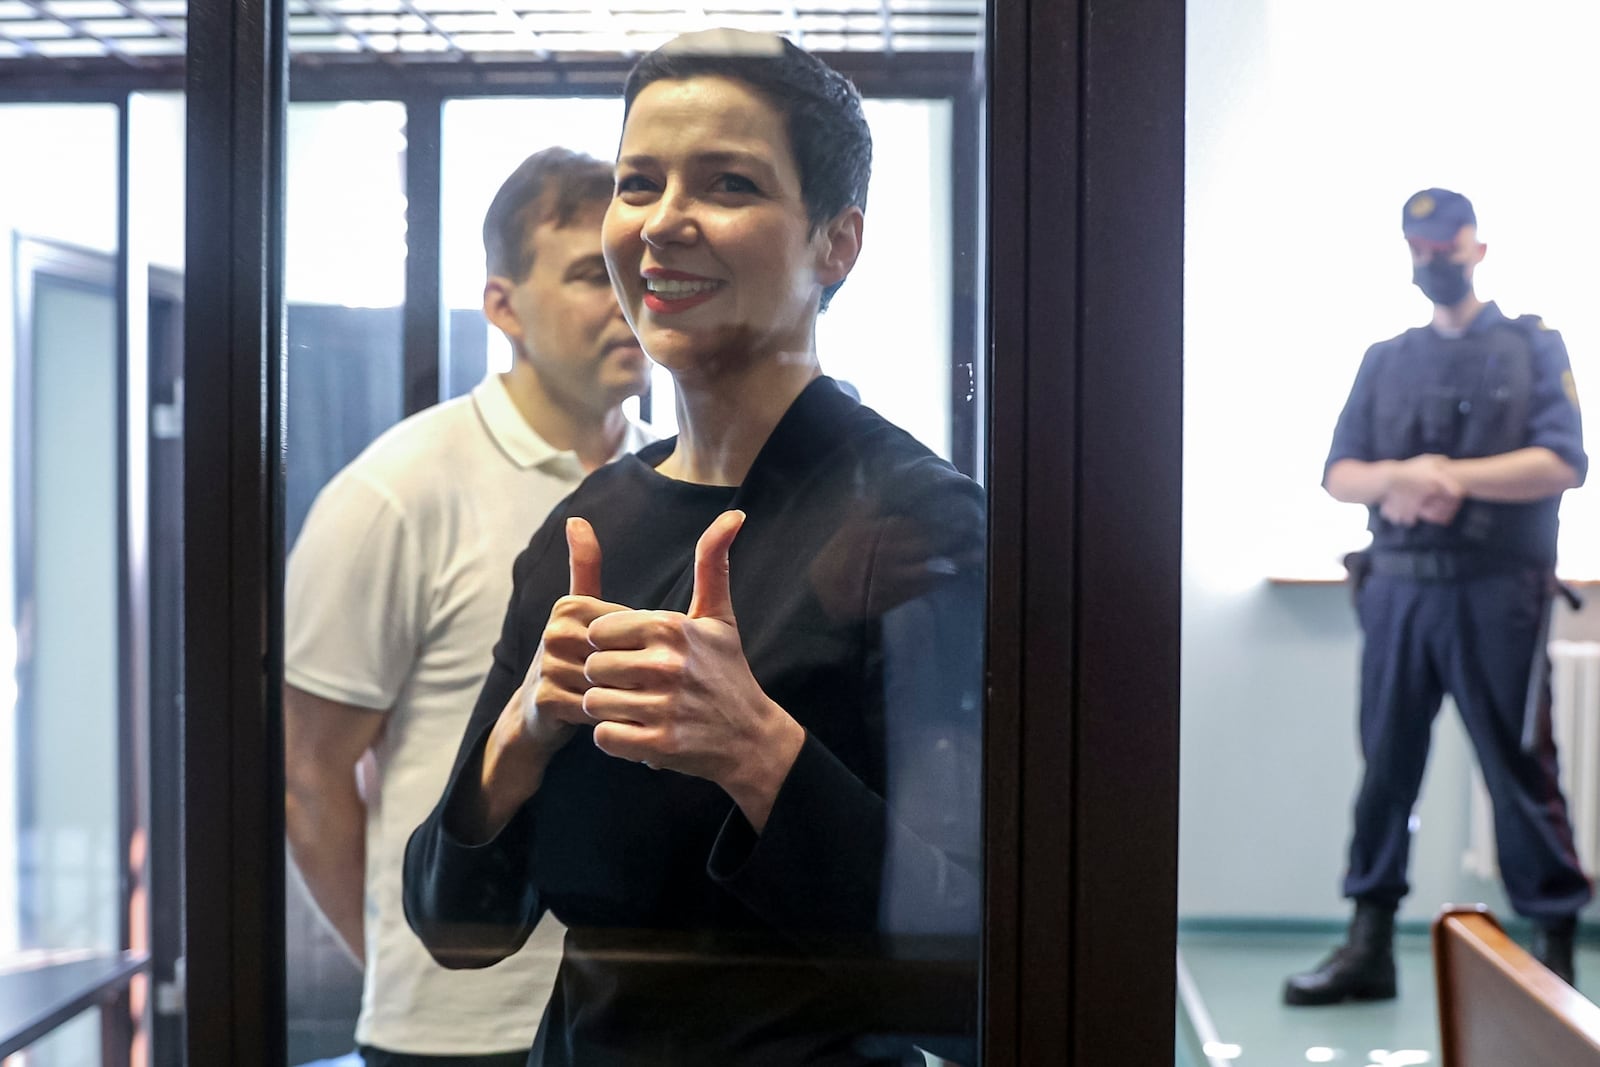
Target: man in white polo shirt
[396,590]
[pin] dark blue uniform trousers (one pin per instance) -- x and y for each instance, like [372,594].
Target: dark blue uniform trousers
[1473,638]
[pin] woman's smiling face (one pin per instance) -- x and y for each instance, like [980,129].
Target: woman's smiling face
[707,238]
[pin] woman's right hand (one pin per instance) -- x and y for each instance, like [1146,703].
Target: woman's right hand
[540,716]
[550,699]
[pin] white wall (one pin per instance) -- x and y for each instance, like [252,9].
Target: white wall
[1309,123]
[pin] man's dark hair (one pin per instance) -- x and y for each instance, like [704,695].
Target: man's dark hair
[822,112]
[551,186]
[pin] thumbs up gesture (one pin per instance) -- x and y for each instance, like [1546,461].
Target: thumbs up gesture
[674,690]
[552,691]
[540,716]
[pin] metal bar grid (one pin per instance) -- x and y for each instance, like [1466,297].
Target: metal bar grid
[164,25]
[492,32]
[342,29]
[80,32]
[932,75]
[451,46]
[25,45]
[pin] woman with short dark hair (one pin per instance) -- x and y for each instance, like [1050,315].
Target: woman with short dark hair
[731,734]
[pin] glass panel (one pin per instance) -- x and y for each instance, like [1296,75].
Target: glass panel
[345,285]
[1295,702]
[62,844]
[659,920]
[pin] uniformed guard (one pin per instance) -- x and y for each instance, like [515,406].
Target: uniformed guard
[1460,437]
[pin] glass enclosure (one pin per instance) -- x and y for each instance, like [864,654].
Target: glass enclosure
[361,175]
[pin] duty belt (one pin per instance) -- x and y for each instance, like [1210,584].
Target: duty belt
[1435,565]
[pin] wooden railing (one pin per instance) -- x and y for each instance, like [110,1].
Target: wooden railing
[1500,1007]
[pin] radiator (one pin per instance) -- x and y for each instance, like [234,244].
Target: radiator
[1575,720]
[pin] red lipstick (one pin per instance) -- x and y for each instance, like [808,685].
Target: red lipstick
[668,303]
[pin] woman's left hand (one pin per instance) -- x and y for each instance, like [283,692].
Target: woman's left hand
[675,691]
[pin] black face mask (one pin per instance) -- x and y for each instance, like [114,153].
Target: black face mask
[1442,281]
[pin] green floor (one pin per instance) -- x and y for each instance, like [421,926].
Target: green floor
[1239,978]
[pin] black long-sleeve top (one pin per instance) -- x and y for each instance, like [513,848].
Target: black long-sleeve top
[847,928]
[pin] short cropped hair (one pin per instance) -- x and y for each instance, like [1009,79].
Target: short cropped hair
[551,186]
[827,130]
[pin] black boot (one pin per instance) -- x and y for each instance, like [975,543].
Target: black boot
[1360,969]
[1552,946]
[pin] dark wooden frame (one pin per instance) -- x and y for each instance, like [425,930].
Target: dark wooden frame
[233,463]
[1086,254]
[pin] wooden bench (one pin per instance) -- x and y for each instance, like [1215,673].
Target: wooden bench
[1500,1007]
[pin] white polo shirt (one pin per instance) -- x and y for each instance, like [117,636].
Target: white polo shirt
[395,594]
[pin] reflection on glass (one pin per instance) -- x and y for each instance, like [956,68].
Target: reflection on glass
[730,735]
